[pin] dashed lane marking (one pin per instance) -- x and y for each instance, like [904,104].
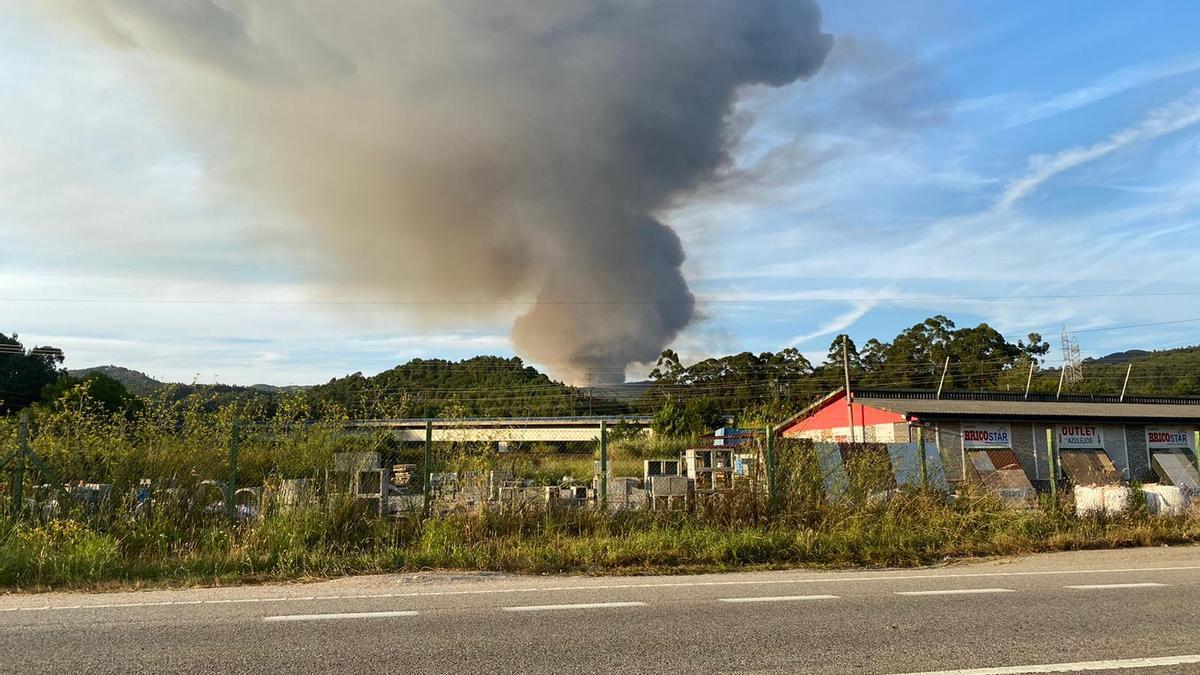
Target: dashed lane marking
[582,605]
[1076,667]
[957,591]
[1096,587]
[335,617]
[780,598]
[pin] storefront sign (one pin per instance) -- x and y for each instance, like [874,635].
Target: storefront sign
[986,436]
[1159,438]
[1079,436]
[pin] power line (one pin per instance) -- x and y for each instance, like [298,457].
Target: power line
[619,301]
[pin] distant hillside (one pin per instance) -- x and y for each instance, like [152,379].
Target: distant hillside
[1122,357]
[1169,372]
[136,382]
[274,389]
[483,386]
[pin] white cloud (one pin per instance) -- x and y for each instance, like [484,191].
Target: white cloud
[838,323]
[1175,116]
[1112,84]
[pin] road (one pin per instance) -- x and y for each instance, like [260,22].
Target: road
[1098,610]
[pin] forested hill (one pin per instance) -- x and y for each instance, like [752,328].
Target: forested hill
[763,386]
[1170,372]
[137,382]
[483,386]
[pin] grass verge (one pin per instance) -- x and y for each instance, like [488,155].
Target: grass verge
[908,529]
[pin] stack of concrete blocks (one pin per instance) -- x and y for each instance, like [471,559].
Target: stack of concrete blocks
[402,475]
[744,464]
[293,493]
[499,478]
[710,470]
[518,493]
[371,486]
[572,496]
[92,497]
[474,490]
[665,484]
[443,485]
[626,492]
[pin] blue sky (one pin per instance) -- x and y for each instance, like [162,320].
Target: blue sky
[968,159]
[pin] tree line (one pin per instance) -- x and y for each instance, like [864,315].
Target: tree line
[685,399]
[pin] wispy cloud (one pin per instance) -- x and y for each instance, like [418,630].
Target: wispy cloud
[1112,84]
[838,323]
[1175,116]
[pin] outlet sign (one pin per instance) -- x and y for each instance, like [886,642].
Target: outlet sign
[1080,436]
[1161,438]
[986,436]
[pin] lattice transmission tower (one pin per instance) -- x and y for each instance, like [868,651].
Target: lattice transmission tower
[1072,361]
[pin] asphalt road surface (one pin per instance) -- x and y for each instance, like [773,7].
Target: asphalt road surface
[1097,611]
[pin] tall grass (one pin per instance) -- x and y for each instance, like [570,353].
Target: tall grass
[180,444]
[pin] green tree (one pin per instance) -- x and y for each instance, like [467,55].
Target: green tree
[111,395]
[24,374]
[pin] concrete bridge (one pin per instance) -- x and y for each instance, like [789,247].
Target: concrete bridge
[505,429]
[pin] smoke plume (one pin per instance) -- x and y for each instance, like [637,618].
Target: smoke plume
[471,155]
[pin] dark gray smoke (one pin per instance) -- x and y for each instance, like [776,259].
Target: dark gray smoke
[479,151]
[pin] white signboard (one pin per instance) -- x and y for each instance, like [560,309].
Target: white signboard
[986,436]
[1080,436]
[1160,438]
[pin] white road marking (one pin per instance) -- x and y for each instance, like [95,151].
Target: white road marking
[958,591]
[335,617]
[666,584]
[780,598]
[1093,587]
[1078,666]
[584,605]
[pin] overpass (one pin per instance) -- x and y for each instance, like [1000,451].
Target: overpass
[504,429]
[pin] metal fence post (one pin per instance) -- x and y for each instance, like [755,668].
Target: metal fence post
[1052,461]
[231,484]
[19,468]
[769,453]
[1196,453]
[922,458]
[604,465]
[427,469]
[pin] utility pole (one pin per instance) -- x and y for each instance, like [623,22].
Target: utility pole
[849,397]
[942,382]
[604,466]
[1029,379]
[1061,376]
[1125,386]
